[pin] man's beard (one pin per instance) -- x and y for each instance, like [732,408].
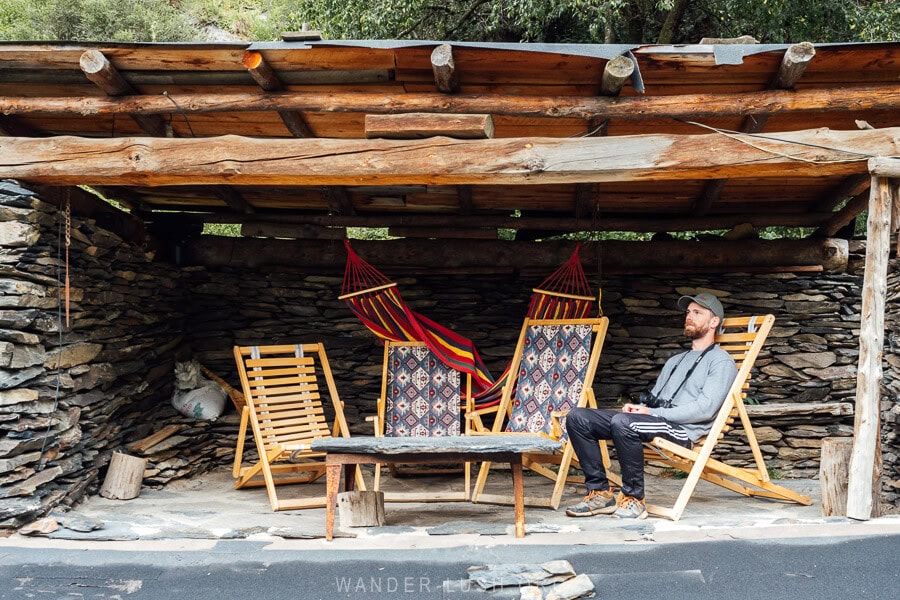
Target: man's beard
[694,332]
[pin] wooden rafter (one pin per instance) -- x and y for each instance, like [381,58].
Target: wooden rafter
[464,196]
[14,127]
[238,160]
[97,68]
[792,66]
[849,187]
[263,74]
[422,125]
[234,199]
[845,216]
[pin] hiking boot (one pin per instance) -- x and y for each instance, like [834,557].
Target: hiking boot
[597,502]
[630,507]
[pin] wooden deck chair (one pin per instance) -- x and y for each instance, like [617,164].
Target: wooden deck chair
[420,397]
[284,408]
[552,372]
[742,338]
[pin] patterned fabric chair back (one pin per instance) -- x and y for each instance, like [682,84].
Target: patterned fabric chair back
[551,376]
[423,394]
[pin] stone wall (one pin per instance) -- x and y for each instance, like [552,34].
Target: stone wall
[70,396]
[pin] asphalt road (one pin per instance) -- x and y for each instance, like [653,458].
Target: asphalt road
[794,569]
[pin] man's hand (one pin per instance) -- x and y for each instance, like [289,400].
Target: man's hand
[636,408]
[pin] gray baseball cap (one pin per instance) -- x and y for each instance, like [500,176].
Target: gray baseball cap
[706,300]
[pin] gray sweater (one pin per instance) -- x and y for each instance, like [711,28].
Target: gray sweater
[701,396]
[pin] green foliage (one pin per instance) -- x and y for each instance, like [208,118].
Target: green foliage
[223,229]
[113,20]
[552,21]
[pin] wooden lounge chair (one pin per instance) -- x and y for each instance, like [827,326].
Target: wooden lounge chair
[742,338]
[420,397]
[284,408]
[552,372]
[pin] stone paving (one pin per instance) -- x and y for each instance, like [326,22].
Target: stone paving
[208,508]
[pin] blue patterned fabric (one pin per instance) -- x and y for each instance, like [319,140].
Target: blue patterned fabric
[551,375]
[422,394]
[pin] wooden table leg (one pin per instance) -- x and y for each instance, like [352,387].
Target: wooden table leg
[332,481]
[518,495]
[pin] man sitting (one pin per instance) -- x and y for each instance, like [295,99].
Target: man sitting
[681,408]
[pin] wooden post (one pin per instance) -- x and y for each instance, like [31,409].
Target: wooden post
[833,467]
[361,509]
[865,459]
[615,74]
[124,477]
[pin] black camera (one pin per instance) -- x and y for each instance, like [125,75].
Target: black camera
[651,401]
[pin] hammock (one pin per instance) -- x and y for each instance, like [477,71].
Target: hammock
[376,301]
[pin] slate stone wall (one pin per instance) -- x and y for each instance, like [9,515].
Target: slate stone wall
[68,400]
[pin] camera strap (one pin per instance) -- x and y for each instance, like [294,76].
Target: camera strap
[689,373]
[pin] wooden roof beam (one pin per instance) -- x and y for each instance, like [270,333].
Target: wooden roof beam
[263,74]
[684,106]
[341,197]
[843,217]
[13,127]
[97,68]
[446,77]
[233,199]
[464,197]
[555,224]
[849,187]
[469,254]
[423,125]
[236,160]
[793,65]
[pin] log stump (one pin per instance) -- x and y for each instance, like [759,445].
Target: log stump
[124,477]
[361,509]
[834,469]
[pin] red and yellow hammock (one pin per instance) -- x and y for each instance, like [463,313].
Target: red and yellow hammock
[376,301]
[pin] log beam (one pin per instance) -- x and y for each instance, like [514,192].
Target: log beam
[848,188]
[234,199]
[341,197]
[793,65]
[97,68]
[615,74]
[446,77]
[686,106]
[607,223]
[464,196]
[885,167]
[264,75]
[843,217]
[424,125]
[14,127]
[865,460]
[236,160]
[618,256]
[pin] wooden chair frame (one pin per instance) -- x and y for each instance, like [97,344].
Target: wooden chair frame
[743,338]
[541,463]
[284,408]
[378,421]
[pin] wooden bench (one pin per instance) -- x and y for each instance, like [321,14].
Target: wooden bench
[412,450]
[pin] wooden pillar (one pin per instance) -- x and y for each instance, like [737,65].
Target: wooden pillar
[865,460]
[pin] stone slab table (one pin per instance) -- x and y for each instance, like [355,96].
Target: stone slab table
[416,450]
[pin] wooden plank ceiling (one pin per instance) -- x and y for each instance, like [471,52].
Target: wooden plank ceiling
[327,89]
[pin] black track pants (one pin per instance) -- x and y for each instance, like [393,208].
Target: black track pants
[627,431]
